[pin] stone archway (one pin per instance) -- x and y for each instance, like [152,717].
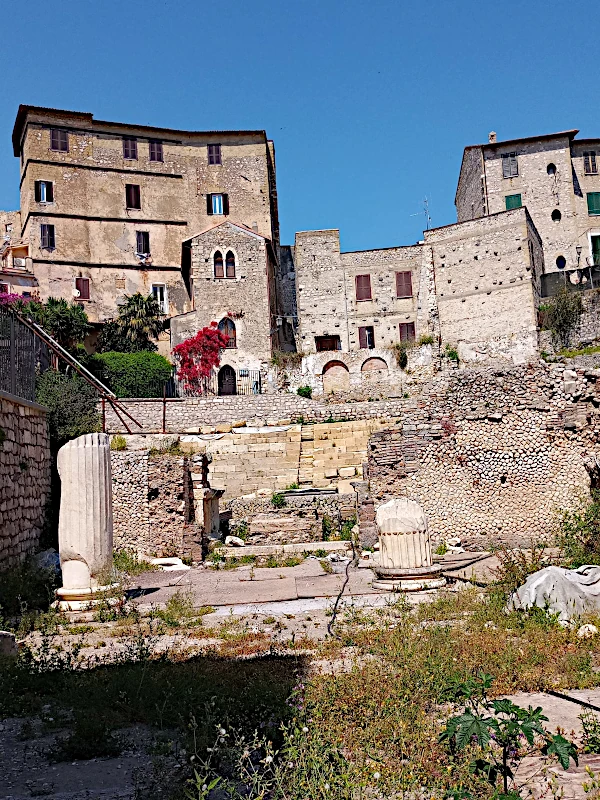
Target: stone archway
[336,377]
[227,380]
[374,365]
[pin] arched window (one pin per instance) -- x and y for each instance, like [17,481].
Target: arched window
[229,265]
[556,215]
[227,326]
[218,259]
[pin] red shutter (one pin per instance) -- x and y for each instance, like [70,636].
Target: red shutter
[83,287]
[403,284]
[209,207]
[362,338]
[363,287]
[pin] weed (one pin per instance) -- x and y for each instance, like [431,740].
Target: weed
[561,315]
[327,529]
[346,531]
[400,351]
[285,360]
[304,391]
[426,339]
[278,500]
[292,486]
[90,738]
[326,566]
[451,353]
[441,549]
[118,443]
[591,732]
[581,351]
[240,529]
[320,553]
[269,620]
[130,563]
[26,590]
[516,565]
[579,533]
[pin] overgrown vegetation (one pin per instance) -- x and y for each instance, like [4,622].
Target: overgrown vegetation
[140,374]
[579,532]
[131,564]
[304,391]
[286,360]
[451,353]
[426,339]
[71,404]
[118,443]
[400,351]
[561,315]
[278,500]
[138,322]
[581,351]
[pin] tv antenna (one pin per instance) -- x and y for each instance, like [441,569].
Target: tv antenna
[425,212]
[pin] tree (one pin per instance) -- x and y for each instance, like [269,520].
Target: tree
[198,356]
[561,314]
[139,321]
[71,404]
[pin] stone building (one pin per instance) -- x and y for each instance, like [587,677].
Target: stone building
[555,176]
[106,206]
[16,276]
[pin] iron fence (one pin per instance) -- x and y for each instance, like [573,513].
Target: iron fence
[225,382]
[22,356]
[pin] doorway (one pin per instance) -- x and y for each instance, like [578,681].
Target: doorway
[227,381]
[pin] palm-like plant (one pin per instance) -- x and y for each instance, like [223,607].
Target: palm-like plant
[140,320]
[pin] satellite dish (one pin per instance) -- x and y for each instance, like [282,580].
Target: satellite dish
[76,293]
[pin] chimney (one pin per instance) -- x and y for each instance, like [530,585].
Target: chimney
[492,138]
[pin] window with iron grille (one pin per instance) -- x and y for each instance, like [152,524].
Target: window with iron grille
[366,337]
[44,192]
[59,140]
[214,154]
[229,265]
[218,261]
[227,326]
[130,147]
[82,285]
[510,165]
[132,195]
[363,287]
[155,150]
[217,204]
[589,163]
[407,331]
[403,284]
[142,243]
[47,237]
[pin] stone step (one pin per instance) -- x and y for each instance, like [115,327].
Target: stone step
[274,549]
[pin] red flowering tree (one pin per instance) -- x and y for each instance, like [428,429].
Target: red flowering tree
[197,357]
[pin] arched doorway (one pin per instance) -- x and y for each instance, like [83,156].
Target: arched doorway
[336,377]
[227,382]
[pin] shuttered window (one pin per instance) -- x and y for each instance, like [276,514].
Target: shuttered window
[130,147]
[132,195]
[47,237]
[323,343]
[82,285]
[366,337]
[510,165]
[407,331]
[142,243]
[229,265]
[214,154]
[155,150]
[217,204]
[218,260]
[513,201]
[227,326]
[44,192]
[403,284]
[59,140]
[363,287]
[589,163]
[593,203]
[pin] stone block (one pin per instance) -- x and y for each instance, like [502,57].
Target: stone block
[346,472]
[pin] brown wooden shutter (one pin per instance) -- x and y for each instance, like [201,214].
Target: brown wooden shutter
[363,287]
[49,192]
[407,331]
[83,287]
[209,206]
[230,265]
[362,338]
[226,204]
[218,259]
[38,191]
[403,284]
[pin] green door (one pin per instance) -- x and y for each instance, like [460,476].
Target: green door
[596,250]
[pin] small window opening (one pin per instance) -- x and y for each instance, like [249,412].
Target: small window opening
[551,169]
[561,262]
[556,215]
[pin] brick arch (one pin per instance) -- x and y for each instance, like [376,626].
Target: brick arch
[336,377]
[374,364]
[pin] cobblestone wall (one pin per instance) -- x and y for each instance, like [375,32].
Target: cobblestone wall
[24,477]
[493,458]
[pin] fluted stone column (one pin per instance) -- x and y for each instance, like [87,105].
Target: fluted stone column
[85,530]
[405,560]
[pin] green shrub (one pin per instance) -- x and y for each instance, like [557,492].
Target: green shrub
[71,403]
[561,314]
[400,351]
[140,374]
[26,588]
[305,391]
[118,442]
[579,533]
[451,353]
[293,486]
[278,500]
[426,339]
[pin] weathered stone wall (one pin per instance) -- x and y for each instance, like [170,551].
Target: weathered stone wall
[152,503]
[24,477]
[493,456]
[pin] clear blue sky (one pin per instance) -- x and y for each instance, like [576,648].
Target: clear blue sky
[370,102]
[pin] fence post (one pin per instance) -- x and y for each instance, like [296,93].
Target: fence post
[103,414]
[13,356]
[164,420]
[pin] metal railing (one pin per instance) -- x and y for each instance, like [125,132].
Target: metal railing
[238,382]
[22,356]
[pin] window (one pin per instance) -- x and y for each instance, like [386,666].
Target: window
[48,240]
[513,201]
[155,150]
[366,337]
[59,140]
[4,287]
[142,243]
[561,262]
[130,147]
[556,215]
[44,192]
[595,247]
[82,288]
[593,203]
[229,265]
[589,163]
[510,165]
[217,204]
[159,292]
[323,343]
[214,154]
[227,326]
[407,331]
[363,287]
[218,259]
[403,284]
[551,169]
[132,195]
